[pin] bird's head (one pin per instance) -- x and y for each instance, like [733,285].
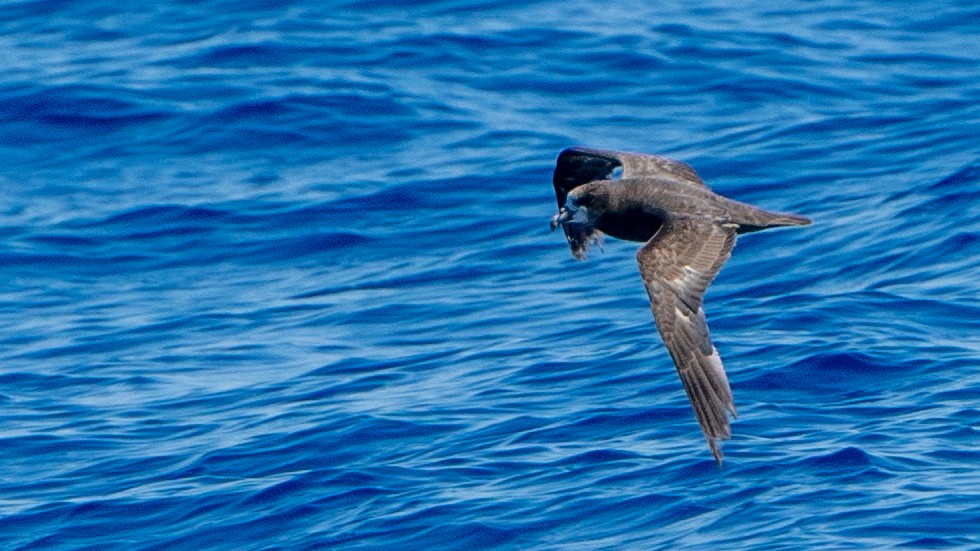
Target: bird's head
[583,206]
[578,218]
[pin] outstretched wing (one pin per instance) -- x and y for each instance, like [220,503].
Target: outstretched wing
[677,266]
[581,165]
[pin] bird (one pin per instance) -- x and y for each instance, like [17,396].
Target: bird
[688,233]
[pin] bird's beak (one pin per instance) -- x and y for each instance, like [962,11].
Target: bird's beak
[560,218]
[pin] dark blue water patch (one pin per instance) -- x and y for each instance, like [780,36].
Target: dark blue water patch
[846,126]
[38,446]
[505,428]
[749,89]
[362,384]
[602,424]
[966,417]
[659,509]
[353,365]
[299,121]
[625,62]
[297,456]
[64,241]
[449,48]
[934,543]
[958,454]
[447,275]
[597,457]
[475,535]
[847,459]
[947,197]
[395,429]
[159,214]
[443,196]
[554,373]
[51,115]
[246,530]
[275,493]
[405,197]
[956,525]
[833,373]
[166,230]
[532,83]
[505,139]
[34,382]
[328,244]
[95,344]
[353,105]
[964,177]
[138,470]
[433,525]
[241,56]
[927,60]
[73,264]
[855,364]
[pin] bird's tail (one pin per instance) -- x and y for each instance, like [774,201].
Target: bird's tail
[750,219]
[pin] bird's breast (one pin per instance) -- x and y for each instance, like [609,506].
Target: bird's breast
[634,224]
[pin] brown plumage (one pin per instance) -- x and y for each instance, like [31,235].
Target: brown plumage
[689,232]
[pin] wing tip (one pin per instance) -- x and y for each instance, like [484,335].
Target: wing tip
[716,451]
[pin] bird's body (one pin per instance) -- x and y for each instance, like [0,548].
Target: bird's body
[689,233]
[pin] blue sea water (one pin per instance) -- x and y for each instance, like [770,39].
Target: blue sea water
[278,275]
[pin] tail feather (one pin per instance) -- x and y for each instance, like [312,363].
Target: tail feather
[785,219]
[755,219]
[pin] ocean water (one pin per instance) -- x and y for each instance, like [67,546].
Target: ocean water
[278,275]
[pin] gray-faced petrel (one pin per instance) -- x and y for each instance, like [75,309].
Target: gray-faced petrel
[689,233]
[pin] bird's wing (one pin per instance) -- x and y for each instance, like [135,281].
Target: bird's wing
[581,165]
[677,266]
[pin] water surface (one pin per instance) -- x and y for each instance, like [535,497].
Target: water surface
[279,276]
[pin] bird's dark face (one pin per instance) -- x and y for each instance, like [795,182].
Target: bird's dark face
[583,206]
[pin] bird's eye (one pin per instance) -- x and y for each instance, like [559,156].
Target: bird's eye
[583,201]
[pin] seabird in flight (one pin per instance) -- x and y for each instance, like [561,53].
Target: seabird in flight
[689,233]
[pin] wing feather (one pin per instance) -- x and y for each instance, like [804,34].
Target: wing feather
[677,266]
[581,165]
